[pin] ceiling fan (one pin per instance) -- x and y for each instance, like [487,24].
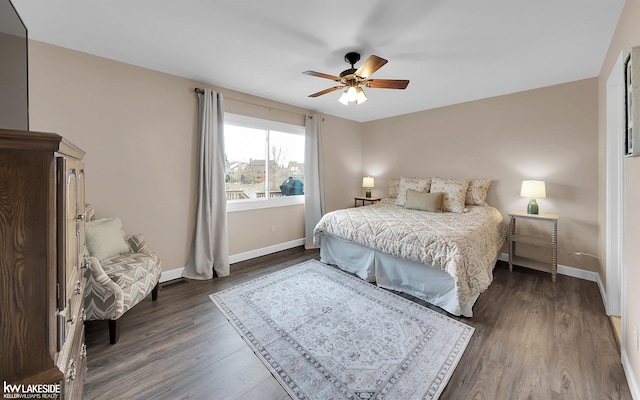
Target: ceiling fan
[352,79]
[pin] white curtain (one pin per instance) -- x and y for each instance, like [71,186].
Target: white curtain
[313,187]
[210,242]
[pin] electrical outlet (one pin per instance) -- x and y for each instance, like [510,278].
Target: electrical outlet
[273,228]
[635,337]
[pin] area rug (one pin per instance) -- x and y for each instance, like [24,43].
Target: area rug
[325,334]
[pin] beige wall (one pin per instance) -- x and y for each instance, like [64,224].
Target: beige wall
[548,134]
[138,128]
[13,74]
[626,36]
[341,162]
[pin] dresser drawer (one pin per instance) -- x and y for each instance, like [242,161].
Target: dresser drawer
[76,366]
[73,312]
[72,351]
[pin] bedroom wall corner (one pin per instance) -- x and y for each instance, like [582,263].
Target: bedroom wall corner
[341,162]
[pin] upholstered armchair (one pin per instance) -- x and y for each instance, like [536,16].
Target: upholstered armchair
[123,271]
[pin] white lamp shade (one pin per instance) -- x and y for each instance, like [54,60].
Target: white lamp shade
[361,97]
[367,182]
[533,189]
[352,94]
[344,99]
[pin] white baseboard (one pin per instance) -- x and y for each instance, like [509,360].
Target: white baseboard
[177,272]
[171,274]
[631,378]
[265,250]
[570,271]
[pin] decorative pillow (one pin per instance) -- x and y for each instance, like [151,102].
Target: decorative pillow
[455,193]
[394,186]
[417,184]
[424,201]
[477,192]
[104,238]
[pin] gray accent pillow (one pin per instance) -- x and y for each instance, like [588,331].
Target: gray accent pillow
[424,201]
[104,238]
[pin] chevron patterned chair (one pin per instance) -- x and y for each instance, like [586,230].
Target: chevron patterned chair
[123,271]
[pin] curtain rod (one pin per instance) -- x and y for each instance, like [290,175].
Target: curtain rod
[201,91]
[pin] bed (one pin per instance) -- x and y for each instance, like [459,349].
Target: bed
[445,258]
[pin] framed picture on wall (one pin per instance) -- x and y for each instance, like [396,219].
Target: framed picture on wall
[632,103]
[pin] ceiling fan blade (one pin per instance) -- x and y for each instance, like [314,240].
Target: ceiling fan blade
[370,66]
[387,83]
[321,75]
[333,89]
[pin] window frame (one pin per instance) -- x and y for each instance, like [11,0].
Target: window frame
[267,125]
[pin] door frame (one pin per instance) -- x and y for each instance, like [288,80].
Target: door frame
[615,190]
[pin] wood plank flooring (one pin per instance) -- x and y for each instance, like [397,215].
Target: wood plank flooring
[533,340]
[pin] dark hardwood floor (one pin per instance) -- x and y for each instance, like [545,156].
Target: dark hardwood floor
[534,340]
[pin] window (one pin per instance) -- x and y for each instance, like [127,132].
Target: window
[264,162]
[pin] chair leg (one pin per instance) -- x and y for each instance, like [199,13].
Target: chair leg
[114,331]
[154,292]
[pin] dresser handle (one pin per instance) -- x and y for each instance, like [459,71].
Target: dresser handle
[77,289]
[80,217]
[71,371]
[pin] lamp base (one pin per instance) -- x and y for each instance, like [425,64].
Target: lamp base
[368,193]
[532,207]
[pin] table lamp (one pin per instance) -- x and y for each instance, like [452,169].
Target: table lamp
[367,182]
[534,190]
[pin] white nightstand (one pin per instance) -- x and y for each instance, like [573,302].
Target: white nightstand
[551,243]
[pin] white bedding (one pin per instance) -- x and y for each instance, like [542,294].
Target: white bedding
[462,245]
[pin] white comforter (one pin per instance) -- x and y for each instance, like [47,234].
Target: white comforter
[463,245]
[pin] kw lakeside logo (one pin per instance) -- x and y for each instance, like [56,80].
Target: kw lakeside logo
[37,391]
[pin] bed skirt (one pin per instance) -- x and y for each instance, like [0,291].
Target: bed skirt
[420,280]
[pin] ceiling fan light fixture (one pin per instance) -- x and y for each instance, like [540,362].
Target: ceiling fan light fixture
[344,99]
[352,94]
[361,97]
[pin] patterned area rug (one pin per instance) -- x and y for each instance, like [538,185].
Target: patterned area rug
[325,334]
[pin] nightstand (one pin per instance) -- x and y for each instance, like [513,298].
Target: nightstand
[371,200]
[552,243]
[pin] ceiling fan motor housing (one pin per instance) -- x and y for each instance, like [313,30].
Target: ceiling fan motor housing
[352,58]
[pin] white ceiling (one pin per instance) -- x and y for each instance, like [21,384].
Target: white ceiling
[452,51]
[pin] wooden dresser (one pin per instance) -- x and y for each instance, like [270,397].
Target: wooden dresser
[42,271]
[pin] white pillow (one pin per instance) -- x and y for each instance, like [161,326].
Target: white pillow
[455,193]
[417,184]
[104,238]
[477,192]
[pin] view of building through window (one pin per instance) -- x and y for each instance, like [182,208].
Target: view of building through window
[263,162]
